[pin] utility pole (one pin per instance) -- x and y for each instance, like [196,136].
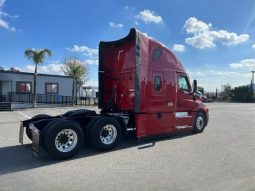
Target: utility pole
[252,80]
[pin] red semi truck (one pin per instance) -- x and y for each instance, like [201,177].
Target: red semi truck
[142,87]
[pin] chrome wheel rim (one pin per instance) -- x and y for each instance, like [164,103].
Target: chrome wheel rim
[108,134]
[66,140]
[200,122]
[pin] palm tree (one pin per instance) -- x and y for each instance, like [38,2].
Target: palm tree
[38,57]
[78,70]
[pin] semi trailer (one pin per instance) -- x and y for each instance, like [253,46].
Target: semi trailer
[143,87]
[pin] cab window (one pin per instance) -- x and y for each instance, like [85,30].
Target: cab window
[183,83]
[157,83]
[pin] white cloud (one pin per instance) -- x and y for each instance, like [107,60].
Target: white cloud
[91,61]
[92,83]
[129,8]
[3,23]
[212,79]
[4,14]
[6,25]
[194,26]
[90,52]
[2,3]
[229,38]
[201,41]
[205,37]
[222,73]
[115,25]
[54,68]
[211,73]
[253,46]
[136,23]
[246,63]
[195,73]
[149,17]
[178,48]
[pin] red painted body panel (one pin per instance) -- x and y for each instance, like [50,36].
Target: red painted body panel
[149,124]
[118,76]
[139,75]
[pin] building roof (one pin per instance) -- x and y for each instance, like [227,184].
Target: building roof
[29,73]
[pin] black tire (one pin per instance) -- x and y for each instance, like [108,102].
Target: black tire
[58,135]
[102,129]
[199,123]
[28,131]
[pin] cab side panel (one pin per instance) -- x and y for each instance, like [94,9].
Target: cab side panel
[158,92]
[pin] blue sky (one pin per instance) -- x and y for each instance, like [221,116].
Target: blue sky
[214,40]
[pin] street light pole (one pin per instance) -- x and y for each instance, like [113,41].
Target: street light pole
[252,80]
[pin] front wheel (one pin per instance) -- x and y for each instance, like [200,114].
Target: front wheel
[199,123]
[63,139]
[105,133]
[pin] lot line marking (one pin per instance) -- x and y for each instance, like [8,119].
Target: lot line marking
[24,115]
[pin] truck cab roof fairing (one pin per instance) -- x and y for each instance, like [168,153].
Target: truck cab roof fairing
[140,43]
[131,37]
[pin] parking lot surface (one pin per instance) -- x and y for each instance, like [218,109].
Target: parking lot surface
[221,158]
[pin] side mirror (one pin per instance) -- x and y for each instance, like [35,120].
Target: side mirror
[194,86]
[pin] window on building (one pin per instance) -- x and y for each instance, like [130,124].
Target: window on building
[183,83]
[51,88]
[23,87]
[157,83]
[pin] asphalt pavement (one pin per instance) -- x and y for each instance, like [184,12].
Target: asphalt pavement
[220,158]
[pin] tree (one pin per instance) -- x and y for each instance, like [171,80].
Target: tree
[201,89]
[242,94]
[78,70]
[226,93]
[12,69]
[1,68]
[38,57]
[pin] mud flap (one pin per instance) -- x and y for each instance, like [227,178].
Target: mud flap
[35,142]
[21,133]
[35,138]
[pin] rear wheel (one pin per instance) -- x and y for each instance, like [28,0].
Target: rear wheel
[105,133]
[28,130]
[199,123]
[63,139]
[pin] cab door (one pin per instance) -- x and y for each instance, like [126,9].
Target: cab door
[184,102]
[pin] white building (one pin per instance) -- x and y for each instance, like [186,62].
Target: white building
[17,87]
[89,91]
